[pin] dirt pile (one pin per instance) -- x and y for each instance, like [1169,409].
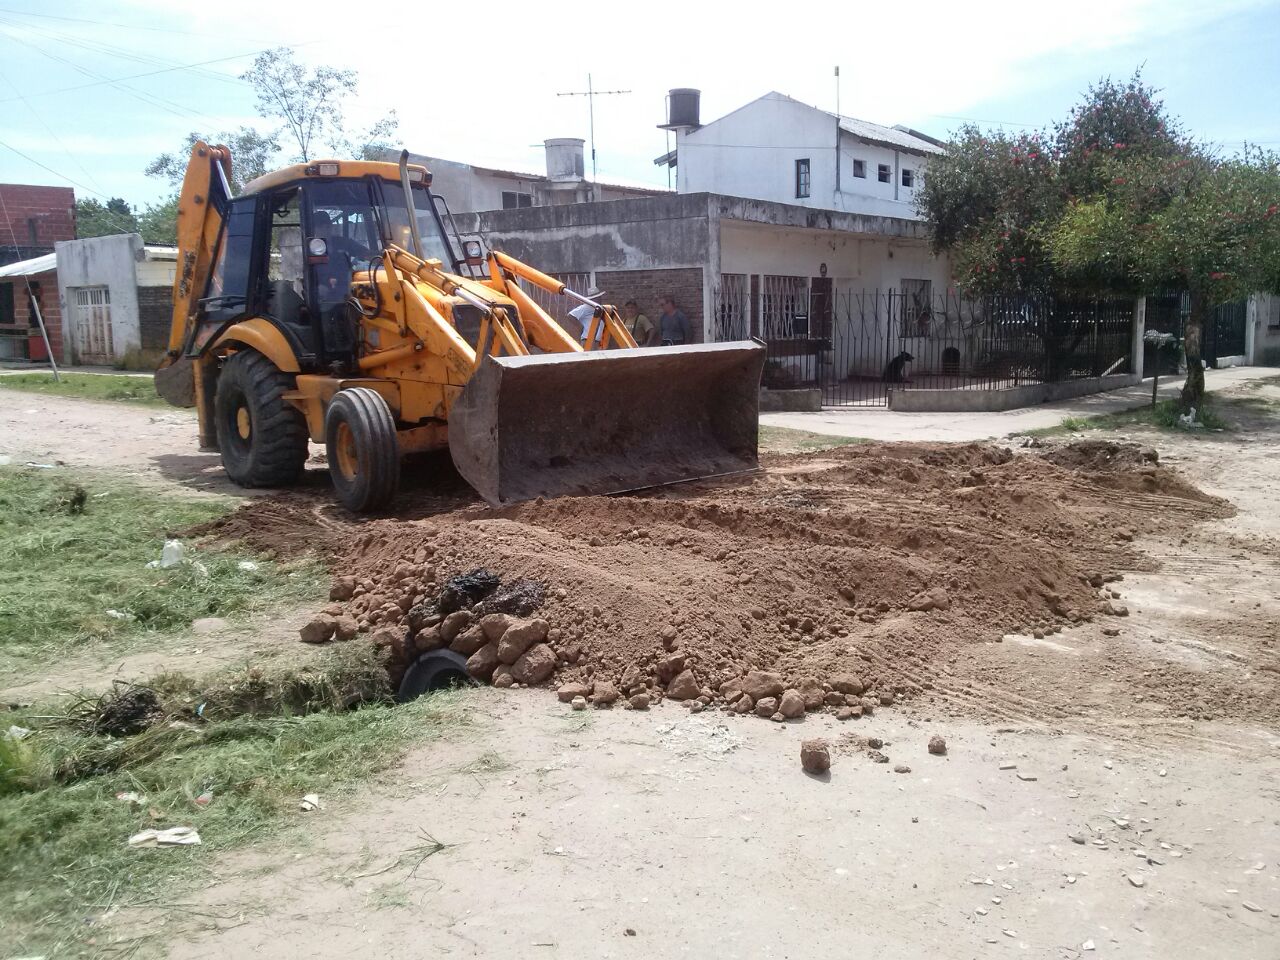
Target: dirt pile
[849,577]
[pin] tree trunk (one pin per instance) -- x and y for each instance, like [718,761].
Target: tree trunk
[1193,389]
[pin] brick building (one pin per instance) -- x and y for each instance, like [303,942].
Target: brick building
[33,219]
[20,284]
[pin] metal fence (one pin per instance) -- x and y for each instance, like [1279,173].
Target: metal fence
[857,345]
[1223,336]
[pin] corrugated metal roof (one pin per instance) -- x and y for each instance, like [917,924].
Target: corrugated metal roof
[158,252]
[27,268]
[889,136]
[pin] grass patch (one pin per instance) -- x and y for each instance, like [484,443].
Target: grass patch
[73,564]
[1163,416]
[787,440]
[112,387]
[64,858]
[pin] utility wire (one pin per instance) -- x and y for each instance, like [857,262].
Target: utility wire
[150,73]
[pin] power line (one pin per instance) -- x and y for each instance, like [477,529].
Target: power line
[151,73]
[105,23]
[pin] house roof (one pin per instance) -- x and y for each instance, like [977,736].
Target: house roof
[896,137]
[158,252]
[29,268]
[899,138]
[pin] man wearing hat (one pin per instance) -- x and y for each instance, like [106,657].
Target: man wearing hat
[583,313]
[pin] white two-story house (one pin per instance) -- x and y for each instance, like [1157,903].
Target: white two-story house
[776,148]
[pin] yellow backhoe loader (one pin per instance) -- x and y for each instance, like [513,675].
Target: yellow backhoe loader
[327,302]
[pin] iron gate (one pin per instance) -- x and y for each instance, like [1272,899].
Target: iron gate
[881,340]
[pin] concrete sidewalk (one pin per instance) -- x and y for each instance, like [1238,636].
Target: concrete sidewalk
[880,423]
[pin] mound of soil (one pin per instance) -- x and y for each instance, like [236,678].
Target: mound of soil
[888,563]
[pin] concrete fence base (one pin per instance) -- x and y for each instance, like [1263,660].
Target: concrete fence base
[1009,398]
[790,401]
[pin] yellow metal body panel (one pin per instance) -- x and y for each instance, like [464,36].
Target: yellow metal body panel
[346,169]
[260,334]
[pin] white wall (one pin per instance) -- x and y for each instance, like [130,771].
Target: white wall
[156,272]
[102,261]
[852,261]
[752,152]
[869,195]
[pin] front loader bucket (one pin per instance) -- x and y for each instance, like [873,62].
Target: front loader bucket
[175,382]
[572,424]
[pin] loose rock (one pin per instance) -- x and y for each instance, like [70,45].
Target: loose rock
[766,707]
[483,662]
[937,745]
[759,684]
[519,637]
[791,705]
[639,702]
[319,630]
[535,665]
[571,691]
[342,589]
[815,756]
[604,694]
[684,687]
[454,624]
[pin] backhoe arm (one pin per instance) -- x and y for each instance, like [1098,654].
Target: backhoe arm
[202,206]
[504,270]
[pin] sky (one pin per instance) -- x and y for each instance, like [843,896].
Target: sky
[91,91]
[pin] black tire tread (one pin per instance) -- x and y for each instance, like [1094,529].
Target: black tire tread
[280,434]
[375,431]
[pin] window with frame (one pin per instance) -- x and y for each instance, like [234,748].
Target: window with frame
[782,300]
[7,315]
[884,173]
[908,177]
[860,169]
[514,200]
[802,178]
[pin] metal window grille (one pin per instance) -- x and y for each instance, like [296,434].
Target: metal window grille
[802,178]
[784,307]
[732,302]
[884,173]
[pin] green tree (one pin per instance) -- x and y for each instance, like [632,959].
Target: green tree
[252,154]
[96,219]
[308,105]
[1207,226]
[993,198]
[159,222]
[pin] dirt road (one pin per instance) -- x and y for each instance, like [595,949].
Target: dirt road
[628,834]
[657,833]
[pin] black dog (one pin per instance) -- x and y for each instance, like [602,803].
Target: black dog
[894,370]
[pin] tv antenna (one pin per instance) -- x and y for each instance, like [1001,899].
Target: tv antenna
[591,93]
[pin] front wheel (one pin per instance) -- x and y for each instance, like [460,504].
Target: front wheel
[364,455]
[262,437]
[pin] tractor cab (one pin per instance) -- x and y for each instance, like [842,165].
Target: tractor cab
[290,244]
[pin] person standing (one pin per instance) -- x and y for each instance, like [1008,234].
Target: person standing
[673,325]
[583,314]
[641,327]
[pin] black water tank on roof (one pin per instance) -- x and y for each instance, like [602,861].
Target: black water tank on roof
[683,107]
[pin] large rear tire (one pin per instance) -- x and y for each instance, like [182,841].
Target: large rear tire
[364,454]
[261,436]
